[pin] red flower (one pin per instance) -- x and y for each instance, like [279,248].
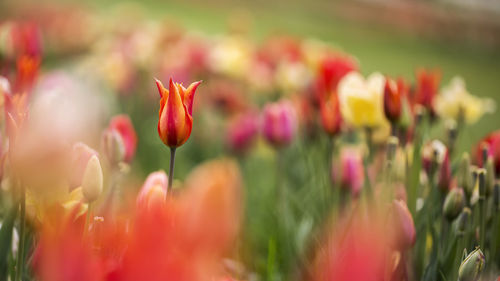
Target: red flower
[427,88]
[176,108]
[493,142]
[331,118]
[331,71]
[395,94]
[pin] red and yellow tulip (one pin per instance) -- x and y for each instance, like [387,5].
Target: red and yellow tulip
[176,108]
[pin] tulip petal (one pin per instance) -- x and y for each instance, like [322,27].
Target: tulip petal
[189,96]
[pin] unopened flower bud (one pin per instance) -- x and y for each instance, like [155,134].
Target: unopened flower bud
[464,175]
[92,180]
[444,176]
[463,220]
[153,191]
[113,147]
[472,266]
[124,127]
[481,180]
[490,176]
[454,203]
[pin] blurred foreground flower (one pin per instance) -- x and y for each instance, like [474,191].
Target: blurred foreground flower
[404,229]
[154,190]
[356,250]
[180,238]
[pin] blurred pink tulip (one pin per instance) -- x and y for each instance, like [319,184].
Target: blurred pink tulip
[242,131]
[153,190]
[279,123]
[348,170]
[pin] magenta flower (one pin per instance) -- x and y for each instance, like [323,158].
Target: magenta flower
[242,131]
[279,124]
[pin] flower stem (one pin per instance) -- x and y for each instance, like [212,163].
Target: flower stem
[87,219]
[22,234]
[171,171]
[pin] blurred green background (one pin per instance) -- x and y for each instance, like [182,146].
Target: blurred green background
[394,47]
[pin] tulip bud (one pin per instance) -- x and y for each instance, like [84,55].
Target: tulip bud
[444,176]
[490,176]
[153,191]
[404,226]
[464,175]
[392,101]
[92,180]
[481,180]
[472,266]
[123,125]
[279,123]
[454,203]
[475,190]
[463,220]
[113,147]
[81,155]
[176,112]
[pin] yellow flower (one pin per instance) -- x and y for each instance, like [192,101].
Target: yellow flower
[361,101]
[38,207]
[231,56]
[455,98]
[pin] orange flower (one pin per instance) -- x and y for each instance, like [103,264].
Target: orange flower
[331,119]
[176,108]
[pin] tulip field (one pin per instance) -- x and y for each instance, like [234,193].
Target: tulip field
[137,145]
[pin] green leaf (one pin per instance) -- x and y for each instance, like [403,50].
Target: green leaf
[6,242]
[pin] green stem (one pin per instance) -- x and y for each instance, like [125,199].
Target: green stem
[22,234]
[482,217]
[171,171]
[494,240]
[458,255]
